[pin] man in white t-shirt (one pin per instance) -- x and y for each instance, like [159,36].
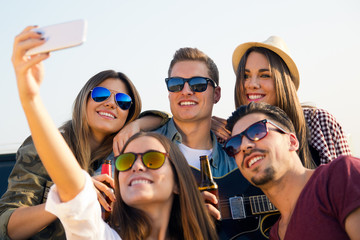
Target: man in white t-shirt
[193,86]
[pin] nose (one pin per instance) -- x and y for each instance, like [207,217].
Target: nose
[186,89]
[110,102]
[252,82]
[138,165]
[246,144]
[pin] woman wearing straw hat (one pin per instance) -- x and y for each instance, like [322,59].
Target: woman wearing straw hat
[265,72]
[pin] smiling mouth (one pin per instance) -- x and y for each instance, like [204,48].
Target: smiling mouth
[255,96]
[254,160]
[106,115]
[139,181]
[187,103]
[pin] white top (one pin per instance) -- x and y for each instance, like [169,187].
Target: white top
[81,216]
[193,155]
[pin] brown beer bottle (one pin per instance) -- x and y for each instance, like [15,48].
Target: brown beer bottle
[207,181]
[106,169]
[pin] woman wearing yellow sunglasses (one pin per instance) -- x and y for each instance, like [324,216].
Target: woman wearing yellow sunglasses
[156,198]
[103,106]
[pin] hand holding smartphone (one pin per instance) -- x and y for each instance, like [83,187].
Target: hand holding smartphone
[60,36]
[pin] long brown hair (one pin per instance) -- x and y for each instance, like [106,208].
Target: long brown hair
[77,131]
[189,218]
[286,97]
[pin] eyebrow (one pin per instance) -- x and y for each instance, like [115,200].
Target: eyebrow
[115,91]
[260,70]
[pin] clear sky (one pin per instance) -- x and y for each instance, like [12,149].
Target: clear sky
[139,38]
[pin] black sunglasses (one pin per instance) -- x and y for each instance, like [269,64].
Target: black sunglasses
[151,159]
[255,132]
[196,84]
[100,94]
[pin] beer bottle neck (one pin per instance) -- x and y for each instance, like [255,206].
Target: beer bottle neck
[206,176]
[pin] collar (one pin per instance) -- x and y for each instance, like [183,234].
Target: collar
[175,136]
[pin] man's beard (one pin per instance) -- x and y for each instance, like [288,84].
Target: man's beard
[267,177]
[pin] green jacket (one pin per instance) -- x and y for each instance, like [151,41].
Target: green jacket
[28,185]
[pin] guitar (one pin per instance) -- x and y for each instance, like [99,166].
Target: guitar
[246,213]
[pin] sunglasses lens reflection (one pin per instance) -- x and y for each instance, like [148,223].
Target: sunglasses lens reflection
[254,133]
[175,84]
[100,94]
[123,100]
[233,145]
[198,84]
[125,161]
[153,160]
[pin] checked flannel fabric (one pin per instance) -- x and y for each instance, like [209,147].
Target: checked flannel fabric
[327,136]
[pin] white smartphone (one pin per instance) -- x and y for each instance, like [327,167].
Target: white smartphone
[60,36]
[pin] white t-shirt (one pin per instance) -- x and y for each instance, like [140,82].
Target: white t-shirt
[81,216]
[193,155]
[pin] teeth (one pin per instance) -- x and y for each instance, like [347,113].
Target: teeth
[187,103]
[139,181]
[252,96]
[254,160]
[106,114]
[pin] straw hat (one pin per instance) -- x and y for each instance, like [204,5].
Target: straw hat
[275,44]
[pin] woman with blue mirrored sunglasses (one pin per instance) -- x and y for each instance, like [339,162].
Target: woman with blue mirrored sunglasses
[89,139]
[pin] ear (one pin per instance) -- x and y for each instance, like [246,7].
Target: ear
[217,94]
[176,189]
[294,142]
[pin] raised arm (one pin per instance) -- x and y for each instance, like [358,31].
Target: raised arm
[56,156]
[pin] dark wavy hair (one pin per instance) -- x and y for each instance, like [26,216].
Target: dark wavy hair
[273,113]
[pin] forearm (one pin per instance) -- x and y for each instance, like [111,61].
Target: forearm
[148,123]
[157,116]
[55,154]
[352,224]
[27,221]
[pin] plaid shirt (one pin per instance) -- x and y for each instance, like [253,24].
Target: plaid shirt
[327,136]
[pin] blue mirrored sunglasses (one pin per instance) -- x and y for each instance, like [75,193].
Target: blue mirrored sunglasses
[100,94]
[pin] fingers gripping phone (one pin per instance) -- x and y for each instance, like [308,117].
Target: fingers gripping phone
[60,36]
